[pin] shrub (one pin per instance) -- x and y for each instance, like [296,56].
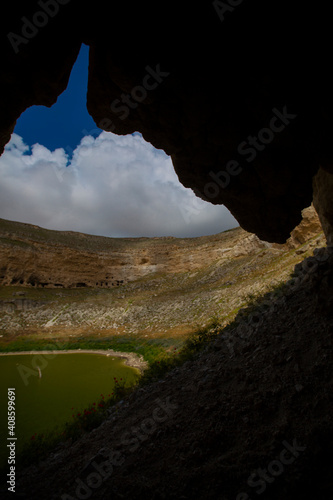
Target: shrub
[176,357]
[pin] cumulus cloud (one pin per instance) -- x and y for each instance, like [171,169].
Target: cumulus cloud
[116,186]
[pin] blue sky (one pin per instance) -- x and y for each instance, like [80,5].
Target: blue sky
[59,171]
[65,123]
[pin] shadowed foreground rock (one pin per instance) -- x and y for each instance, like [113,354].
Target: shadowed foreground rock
[251,415]
[238,93]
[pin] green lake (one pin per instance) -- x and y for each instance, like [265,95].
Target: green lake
[64,385]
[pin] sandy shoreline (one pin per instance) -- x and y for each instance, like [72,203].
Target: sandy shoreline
[131,359]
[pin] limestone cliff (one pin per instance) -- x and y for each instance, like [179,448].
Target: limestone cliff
[32,256]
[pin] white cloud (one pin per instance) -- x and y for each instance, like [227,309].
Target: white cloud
[113,185]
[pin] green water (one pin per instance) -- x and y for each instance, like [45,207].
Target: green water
[68,384]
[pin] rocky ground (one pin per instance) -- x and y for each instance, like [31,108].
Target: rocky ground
[250,417]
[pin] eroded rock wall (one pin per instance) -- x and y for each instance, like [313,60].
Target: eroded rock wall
[28,262]
[31,256]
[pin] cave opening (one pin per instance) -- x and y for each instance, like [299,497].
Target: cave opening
[84,179]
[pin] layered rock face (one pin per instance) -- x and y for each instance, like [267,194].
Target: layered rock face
[31,256]
[237,92]
[65,283]
[36,257]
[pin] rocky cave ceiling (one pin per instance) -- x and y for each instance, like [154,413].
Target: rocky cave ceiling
[237,92]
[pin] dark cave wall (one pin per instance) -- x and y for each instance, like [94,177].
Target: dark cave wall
[238,92]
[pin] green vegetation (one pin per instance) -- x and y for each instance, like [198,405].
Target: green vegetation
[150,349]
[172,358]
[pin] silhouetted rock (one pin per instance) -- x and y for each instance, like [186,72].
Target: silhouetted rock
[239,93]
